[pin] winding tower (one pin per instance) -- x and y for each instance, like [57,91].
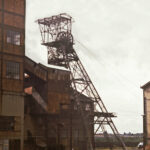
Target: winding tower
[57,37]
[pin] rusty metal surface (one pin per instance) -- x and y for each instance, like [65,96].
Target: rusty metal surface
[34,68]
[56,35]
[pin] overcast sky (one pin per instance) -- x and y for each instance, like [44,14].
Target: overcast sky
[112,40]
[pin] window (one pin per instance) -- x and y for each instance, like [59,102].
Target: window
[13,37]
[6,123]
[12,70]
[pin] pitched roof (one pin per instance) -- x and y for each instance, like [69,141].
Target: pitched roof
[145,85]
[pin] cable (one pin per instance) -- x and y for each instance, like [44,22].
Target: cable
[120,75]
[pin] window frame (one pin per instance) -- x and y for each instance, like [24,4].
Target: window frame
[12,70]
[13,37]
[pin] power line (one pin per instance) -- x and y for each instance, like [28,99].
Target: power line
[117,74]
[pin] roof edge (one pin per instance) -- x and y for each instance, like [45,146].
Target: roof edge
[145,85]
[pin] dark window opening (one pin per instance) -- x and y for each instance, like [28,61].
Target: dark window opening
[6,123]
[13,37]
[12,70]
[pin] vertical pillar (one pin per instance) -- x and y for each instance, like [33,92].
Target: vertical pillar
[71,107]
[22,129]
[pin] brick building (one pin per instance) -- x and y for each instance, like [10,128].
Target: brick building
[37,110]
[146,116]
[12,50]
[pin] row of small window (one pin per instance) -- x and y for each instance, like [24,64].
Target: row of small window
[12,70]
[13,37]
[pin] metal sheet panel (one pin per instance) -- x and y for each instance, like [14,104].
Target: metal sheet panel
[12,105]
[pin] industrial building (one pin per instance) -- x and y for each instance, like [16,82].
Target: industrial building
[43,107]
[12,52]
[146,116]
[34,99]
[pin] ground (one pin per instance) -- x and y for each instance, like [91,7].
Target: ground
[128,148]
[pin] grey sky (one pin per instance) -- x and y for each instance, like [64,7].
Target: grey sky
[116,35]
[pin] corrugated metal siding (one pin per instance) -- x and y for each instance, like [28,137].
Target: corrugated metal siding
[12,105]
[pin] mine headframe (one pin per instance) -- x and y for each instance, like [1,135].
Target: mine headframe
[56,35]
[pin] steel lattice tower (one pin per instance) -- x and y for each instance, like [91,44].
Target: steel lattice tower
[56,35]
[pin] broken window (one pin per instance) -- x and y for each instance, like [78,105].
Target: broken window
[12,70]
[13,37]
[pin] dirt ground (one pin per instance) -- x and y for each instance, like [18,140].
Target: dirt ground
[128,148]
